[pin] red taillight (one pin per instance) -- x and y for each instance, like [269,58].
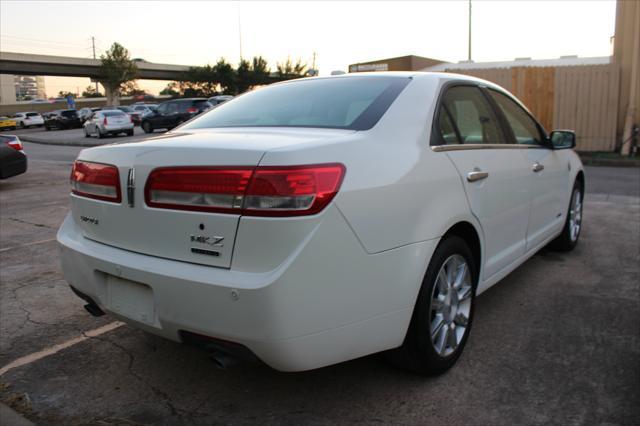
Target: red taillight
[264,191]
[15,145]
[104,121]
[95,180]
[192,110]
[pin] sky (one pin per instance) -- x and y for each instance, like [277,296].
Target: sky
[339,33]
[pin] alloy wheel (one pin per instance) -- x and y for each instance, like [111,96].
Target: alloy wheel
[450,305]
[575,215]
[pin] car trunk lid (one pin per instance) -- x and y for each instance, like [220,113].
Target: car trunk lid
[192,236]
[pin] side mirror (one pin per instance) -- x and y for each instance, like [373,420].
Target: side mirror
[563,139]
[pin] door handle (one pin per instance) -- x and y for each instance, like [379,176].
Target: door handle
[476,175]
[537,167]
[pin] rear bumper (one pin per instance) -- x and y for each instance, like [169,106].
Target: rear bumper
[319,307]
[116,128]
[13,166]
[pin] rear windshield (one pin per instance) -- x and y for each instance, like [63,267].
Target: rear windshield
[125,109]
[113,113]
[355,103]
[69,113]
[32,114]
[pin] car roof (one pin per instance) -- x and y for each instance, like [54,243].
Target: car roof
[422,75]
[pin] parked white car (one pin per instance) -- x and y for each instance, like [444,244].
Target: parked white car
[319,220]
[29,119]
[145,109]
[108,122]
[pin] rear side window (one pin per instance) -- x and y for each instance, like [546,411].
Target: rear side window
[355,103]
[202,104]
[524,128]
[470,117]
[32,114]
[69,113]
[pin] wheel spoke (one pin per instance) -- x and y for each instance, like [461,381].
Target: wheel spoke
[441,282]
[461,274]
[445,340]
[437,328]
[452,266]
[437,305]
[464,294]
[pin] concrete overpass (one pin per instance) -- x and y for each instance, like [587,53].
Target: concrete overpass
[64,66]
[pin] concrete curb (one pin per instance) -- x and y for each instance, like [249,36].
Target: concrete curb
[9,417]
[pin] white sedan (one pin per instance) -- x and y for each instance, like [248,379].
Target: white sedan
[108,122]
[28,119]
[319,220]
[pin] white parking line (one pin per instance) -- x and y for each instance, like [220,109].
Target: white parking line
[27,244]
[36,356]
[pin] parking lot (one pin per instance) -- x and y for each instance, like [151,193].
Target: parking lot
[75,137]
[557,341]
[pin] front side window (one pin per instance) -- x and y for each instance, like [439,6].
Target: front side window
[524,128]
[471,115]
[355,103]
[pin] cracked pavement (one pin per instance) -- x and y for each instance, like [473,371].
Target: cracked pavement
[558,341]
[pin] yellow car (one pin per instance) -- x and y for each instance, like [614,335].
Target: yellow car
[7,123]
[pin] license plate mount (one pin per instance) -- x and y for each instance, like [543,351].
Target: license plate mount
[131,299]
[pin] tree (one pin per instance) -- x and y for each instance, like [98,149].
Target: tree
[131,88]
[90,92]
[171,90]
[289,70]
[116,70]
[63,94]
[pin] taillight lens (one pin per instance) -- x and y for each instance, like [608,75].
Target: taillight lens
[197,188]
[15,145]
[96,180]
[263,191]
[104,122]
[192,110]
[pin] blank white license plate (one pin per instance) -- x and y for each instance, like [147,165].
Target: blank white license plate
[131,299]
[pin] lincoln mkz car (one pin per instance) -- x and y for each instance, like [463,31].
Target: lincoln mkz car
[315,221]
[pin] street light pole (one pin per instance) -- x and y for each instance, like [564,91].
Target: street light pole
[469,55]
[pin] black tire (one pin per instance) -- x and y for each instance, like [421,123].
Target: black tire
[147,127]
[418,353]
[100,134]
[47,128]
[130,132]
[568,239]
[22,126]
[86,134]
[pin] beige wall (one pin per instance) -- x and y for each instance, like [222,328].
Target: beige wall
[626,53]
[7,89]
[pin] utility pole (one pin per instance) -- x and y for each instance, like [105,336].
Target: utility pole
[239,32]
[469,55]
[93,46]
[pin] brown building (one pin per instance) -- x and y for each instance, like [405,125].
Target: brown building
[401,63]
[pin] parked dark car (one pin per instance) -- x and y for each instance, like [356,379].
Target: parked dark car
[62,119]
[172,113]
[85,113]
[13,160]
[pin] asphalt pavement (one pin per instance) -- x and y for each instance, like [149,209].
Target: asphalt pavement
[556,342]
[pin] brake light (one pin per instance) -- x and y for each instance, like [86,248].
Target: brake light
[263,191]
[104,121]
[15,144]
[192,110]
[96,180]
